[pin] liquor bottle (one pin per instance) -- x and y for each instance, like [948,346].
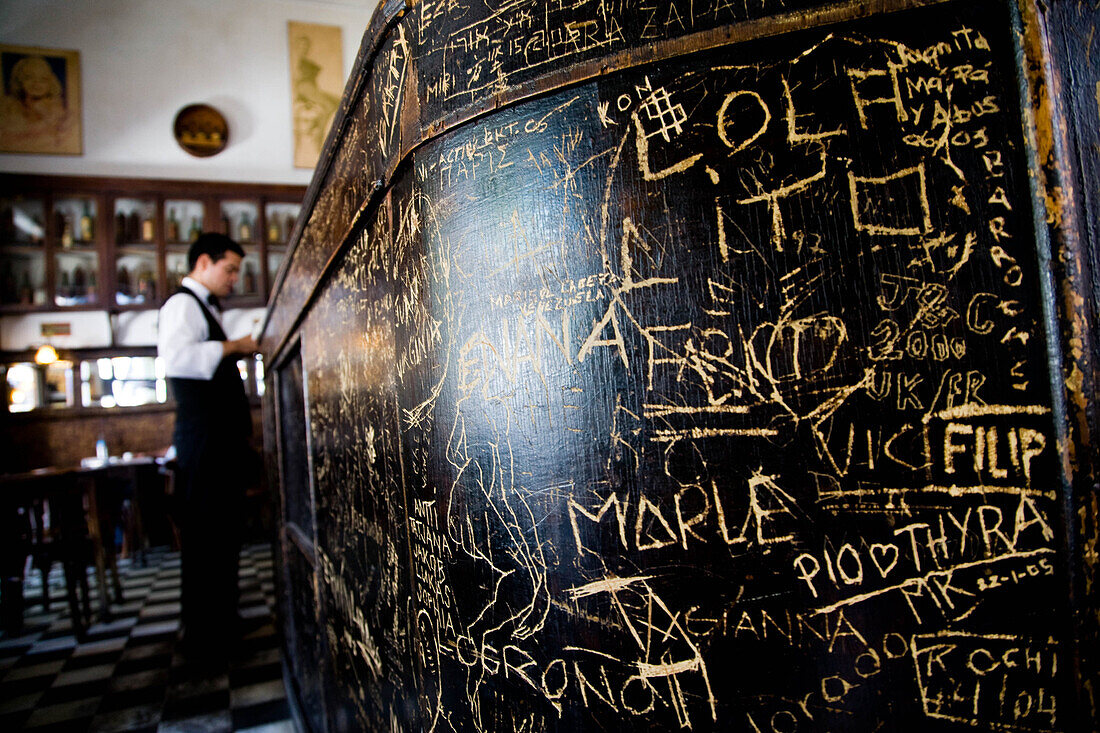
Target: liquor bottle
[227,225]
[147,229]
[8,288]
[246,227]
[249,278]
[120,228]
[26,291]
[133,227]
[80,283]
[273,233]
[173,226]
[196,230]
[290,221]
[90,290]
[87,223]
[39,232]
[145,285]
[124,281]
[65,228]
[177,277]
[64,287]
[7,225]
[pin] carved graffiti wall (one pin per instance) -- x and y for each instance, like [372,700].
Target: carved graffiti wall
[712,392]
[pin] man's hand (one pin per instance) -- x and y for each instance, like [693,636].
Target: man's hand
[243,345]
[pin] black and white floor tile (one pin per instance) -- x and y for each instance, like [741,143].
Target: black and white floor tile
[128,674]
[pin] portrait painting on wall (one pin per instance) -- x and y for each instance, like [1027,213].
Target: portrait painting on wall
[316,82]
[40,108]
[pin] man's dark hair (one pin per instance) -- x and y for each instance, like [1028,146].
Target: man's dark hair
[213,244]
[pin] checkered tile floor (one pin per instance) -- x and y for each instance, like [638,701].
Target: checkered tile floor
[128,674]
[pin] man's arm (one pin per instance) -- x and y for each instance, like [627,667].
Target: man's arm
[245,345]
[183,341]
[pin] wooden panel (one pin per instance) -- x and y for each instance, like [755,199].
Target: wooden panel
[304,639]
[38,441]
[293,463]
[710,392]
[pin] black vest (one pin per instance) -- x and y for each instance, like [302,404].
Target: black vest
[210,413]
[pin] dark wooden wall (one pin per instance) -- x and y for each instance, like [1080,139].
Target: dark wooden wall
[696,365]
[38,440]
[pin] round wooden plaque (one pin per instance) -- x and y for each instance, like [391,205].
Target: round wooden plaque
[201,130]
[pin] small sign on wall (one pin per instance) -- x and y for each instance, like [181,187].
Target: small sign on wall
[316,82]
[50,330]
[79,330]
[40,108]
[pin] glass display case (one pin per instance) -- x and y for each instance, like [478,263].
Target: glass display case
[135,251]
[123,381]
[77,277]
[248,284]
[239,220]
[94,243]
[33,386]
[22,249]
[183,223]
[135,222]
[76,221]
[176,267]
[280,218]
[76,256]
[183,220]
[22,222]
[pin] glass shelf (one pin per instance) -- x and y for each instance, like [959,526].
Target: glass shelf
[22,251]
[135,221]
[76,277]
[74,243]
[280,219]
[239,220]
[274,262]
[135,277]
[22,222]
[183,220]
[175,261]
[76,221]
[122,381]
[22,278]
[248,284]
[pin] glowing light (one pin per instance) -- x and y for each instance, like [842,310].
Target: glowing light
[45,355]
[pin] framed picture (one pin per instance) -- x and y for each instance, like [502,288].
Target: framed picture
[316,82]
[40,109]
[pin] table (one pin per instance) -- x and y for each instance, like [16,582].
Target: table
[83,501]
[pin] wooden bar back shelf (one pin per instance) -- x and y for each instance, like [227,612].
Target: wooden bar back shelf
[79,243]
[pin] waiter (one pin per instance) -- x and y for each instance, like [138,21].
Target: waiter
[213,425]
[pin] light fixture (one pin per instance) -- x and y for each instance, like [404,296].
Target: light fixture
[46,354]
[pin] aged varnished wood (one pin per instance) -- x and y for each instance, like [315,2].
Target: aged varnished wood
[696,365]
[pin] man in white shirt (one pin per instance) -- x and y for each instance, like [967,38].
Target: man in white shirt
[213,426]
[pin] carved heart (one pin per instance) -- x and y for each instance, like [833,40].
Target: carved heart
[879,554]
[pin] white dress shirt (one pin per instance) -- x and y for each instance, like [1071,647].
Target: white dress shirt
[183,338]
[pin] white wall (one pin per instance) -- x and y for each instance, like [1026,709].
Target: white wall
[142,60]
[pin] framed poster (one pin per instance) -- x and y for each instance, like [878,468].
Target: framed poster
[316,82]
[40,109]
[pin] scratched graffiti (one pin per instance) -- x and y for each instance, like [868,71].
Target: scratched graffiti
[709,395]
[472,49]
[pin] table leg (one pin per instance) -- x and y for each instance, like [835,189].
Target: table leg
[97,546]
